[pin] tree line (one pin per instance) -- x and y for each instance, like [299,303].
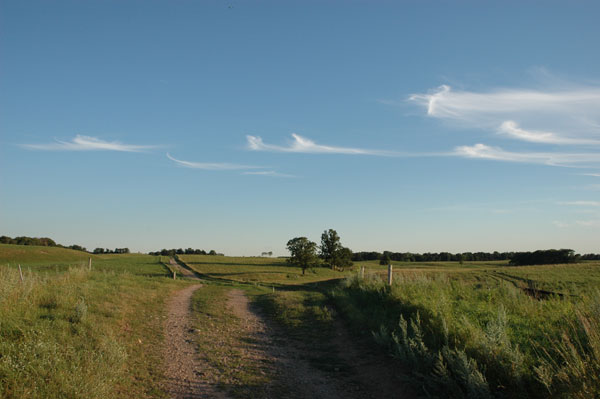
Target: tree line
[539,257]
[432,256]
[188,251]
[544,257]
[38,241]
[108,251]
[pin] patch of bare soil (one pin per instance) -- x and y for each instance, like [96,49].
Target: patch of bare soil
[184,369]
[362,375]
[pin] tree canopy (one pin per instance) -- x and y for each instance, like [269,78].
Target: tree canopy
[303,253]
[332,251]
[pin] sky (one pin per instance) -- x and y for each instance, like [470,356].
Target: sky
[416,126]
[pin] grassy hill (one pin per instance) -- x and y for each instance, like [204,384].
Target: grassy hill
[31,254]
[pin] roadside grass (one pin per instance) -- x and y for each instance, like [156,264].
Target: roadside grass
[477,333]
[74,333]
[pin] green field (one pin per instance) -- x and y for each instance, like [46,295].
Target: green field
[471,330]
[70,332]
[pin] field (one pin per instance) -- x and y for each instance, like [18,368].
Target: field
[70,332]
[481,329]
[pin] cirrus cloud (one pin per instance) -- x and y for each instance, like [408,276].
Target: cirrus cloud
[212,165]
[482,151]
[87,143]
[567,117]
[301,144]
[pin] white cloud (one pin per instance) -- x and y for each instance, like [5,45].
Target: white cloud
[591,174]
[211,166]
[581,203]
[303,145]
[512,129]
[270,173]
[86,143]
[588,223]
[567,117]
[482,151]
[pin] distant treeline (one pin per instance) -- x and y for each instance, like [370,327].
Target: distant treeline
[541,257]
[432,256]
[42,242]
[545,257]
[188,251]
[114,251]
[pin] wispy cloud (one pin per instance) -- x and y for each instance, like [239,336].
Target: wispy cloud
[512,129]
[567,117]
[270,173]
[212,165]
[301,144]
[581,203]
[482,151]
[591,174]
[87,143]
[578,223]
[560,224]
[588,223]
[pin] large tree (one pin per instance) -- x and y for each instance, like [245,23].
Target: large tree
[303,252]
[332,251]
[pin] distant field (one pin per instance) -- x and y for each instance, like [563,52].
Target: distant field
[256,270]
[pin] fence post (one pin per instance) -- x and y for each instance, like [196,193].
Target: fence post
[90,264]
[21,273]
[362,272]
[390,274]
[174,275]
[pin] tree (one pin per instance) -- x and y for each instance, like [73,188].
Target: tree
[332,251]
[330,244]
[344,258]
[303,253]
[385,259]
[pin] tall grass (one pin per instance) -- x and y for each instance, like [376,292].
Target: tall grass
[83,333]
[462,339]
[48,345]
[570,367]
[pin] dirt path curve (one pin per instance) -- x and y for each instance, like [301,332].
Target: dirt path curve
[184,369]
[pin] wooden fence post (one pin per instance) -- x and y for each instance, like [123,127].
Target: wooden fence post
[390,274]
[174,275]
[362,272]
[90,264]
[21,273]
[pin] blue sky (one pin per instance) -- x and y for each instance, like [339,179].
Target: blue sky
[236,126]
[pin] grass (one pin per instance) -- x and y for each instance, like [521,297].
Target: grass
[464,330]
[70,332]
[475,331]
[272,272]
